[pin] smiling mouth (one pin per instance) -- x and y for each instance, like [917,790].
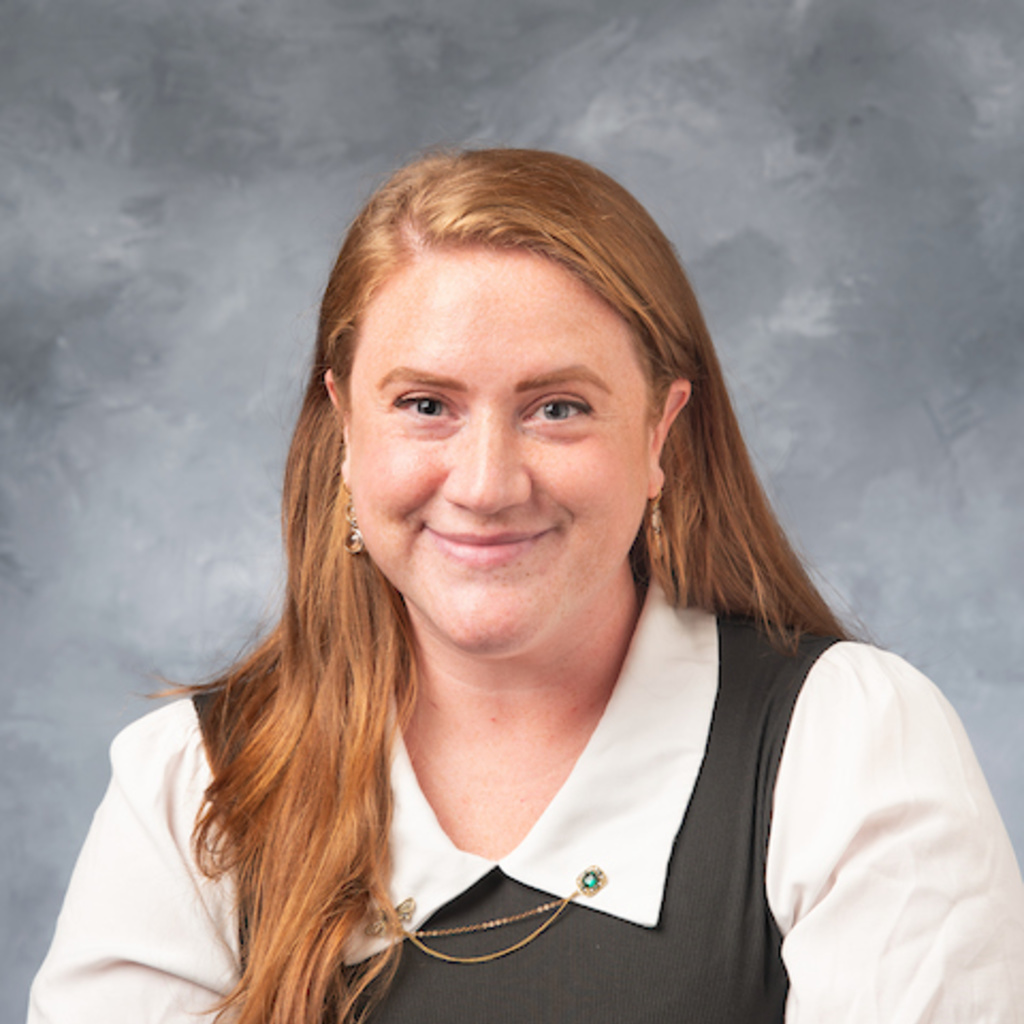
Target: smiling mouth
[483,550]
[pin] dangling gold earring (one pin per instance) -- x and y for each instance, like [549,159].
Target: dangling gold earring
[656,524]
[354,541]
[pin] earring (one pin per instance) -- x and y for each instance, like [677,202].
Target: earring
[654,543]
[656,524]
[354,541]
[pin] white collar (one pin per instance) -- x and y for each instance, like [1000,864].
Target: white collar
[623,803]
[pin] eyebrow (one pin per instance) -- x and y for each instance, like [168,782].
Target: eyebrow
[409,375]
[576,372]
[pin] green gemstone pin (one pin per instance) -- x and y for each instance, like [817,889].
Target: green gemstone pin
[591,881]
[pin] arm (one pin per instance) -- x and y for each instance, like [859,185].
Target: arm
[143,937]
[889,871]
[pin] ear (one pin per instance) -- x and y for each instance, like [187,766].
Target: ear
[678,395]
[332,390]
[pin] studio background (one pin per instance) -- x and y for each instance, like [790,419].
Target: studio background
[842,178]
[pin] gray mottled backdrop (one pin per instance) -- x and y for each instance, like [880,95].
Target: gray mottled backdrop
[842,177]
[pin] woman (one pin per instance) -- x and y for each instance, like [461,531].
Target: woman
[514,751]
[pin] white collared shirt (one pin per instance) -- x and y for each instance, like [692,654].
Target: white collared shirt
[888,870]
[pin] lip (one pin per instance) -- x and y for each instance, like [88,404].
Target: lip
[480,550]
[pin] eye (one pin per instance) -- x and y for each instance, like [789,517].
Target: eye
[562,409]
[428,406]
[423,406]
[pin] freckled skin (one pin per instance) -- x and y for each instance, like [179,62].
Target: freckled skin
[499,449]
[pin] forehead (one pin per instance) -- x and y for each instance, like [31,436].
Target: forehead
[475,301]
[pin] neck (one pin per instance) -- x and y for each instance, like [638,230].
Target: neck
[493,739]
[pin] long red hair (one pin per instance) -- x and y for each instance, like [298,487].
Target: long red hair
[299,733]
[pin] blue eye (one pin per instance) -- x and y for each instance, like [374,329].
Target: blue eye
[426,406]
[562,410]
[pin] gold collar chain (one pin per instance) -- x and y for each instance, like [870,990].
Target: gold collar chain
[588,883]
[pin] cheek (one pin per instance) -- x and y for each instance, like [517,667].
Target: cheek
[390,479]
[605,487]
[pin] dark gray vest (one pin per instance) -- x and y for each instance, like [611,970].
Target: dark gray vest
[714,957]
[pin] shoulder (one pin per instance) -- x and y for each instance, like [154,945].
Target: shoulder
[889,871]
[143,933]
[161,755]
[870,730]
[172,729]
[867,705]
[160,773]
[869,670]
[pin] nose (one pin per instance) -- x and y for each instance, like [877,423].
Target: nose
[488,472]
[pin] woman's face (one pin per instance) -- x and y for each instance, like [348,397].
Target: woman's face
[500,449]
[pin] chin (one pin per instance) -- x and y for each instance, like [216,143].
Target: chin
[487,633]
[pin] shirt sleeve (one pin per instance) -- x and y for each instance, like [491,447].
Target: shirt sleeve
[143,936]
[889,871]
